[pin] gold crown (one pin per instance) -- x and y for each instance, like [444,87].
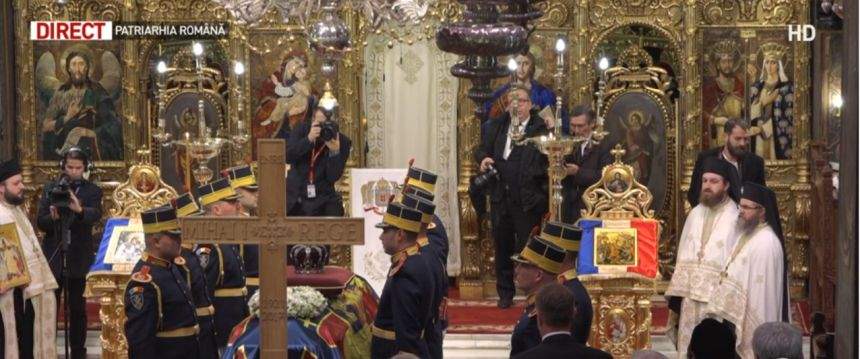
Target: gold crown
[773,50]
[724,48]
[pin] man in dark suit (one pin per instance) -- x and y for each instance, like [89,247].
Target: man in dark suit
[519,195]
[84,210]
[584,165]
[316,163]
[555,311]
[748,166]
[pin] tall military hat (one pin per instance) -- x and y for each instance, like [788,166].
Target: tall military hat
[426,207]
[9,169]
[215,191]
[185,205]
[542,254]
[563,235]
[410,189]
[241,177]
[399,216]
[421,178]
[160,220]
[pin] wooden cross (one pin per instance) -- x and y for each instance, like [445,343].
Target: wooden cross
[273,231]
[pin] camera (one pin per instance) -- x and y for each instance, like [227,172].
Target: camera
[491,174]
[328,130]
[60,194]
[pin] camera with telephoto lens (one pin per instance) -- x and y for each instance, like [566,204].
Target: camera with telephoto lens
[60,194]
[328,130]
[491,174]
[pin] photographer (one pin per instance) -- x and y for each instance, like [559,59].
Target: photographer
[72,203]
[515,176]
[317,154]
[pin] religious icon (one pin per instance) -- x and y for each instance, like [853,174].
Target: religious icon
[77,106]
[285,98]
[640,140]
[617,329]
[126,244]
[772,106]
[13,268]
[527,68]
[615,247]
[722,93]
[617,184]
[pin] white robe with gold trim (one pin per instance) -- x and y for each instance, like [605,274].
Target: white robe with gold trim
[695,278]
[751,292]
[40,291]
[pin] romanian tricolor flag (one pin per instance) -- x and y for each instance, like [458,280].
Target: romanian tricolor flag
[647,233]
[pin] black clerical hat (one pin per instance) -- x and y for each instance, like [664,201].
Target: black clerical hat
[399,216]
[563,235]
[725,170]
[185,205]
[241,177]
[9,169]
[160,220]
[215,191]
[764,197]
[542,254]
[426,207]
[421,178]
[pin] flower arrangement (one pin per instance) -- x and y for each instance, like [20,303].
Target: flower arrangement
[302,303]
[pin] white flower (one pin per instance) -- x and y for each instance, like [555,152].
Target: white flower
[302,302]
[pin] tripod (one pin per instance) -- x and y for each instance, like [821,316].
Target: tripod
[62,227]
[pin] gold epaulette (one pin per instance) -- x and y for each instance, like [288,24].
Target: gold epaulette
[142,275]
[399,259]
[179,261]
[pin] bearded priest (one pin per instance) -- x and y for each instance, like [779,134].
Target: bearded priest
[752,289]
[705,242]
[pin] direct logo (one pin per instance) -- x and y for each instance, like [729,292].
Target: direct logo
[71,30]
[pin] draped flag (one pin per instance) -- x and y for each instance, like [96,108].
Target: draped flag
[647,232]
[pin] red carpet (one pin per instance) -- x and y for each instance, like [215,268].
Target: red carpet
[484,317]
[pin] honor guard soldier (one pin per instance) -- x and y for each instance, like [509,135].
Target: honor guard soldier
[538,264]
[568,238]
[161,315]
[435,333]
[225,275]
[408,302]
[244,182]
[186,206]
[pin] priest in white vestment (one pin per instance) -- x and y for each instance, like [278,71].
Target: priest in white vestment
[29,328]
[706,240]
[752,290]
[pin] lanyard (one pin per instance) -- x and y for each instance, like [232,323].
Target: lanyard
[315,154]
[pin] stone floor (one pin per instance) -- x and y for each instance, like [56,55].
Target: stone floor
[457,346]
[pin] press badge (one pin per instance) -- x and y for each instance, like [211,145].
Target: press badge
[312,191]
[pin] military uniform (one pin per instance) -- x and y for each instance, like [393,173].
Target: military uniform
[434,333]
[409,300]
[186,206]
[548,257]
[223,269]
[568,237]
[158,303]
[243,177]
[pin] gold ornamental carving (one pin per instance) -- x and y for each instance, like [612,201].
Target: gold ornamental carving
[618,195]
[764,12]
[143,190]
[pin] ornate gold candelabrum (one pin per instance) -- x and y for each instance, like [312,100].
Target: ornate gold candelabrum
[204,146]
